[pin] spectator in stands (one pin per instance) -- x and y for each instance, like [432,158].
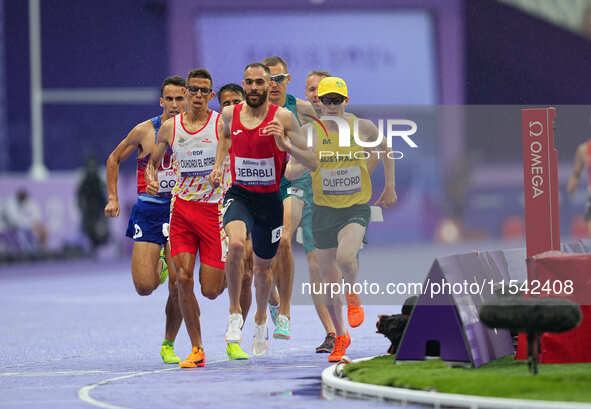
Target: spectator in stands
[92,199]
[23,224]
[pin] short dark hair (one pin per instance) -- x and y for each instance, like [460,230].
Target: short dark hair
[258,64]
[200,73]
[318,73]
[275,60]
[172,80]
[231,87]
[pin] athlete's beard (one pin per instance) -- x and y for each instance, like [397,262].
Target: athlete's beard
[261,100]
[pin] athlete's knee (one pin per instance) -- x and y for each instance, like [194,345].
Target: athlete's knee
[211,292]
[314,271]
[143,289]
[263,278]
[347,262]
[184,279]
[236,248]
[284,244]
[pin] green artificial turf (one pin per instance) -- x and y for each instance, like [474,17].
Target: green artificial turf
[504,378]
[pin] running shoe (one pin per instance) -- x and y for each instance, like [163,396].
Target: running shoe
[260,343]
[355,314]
[282,327]
[234,332]
[340,348]
[168,355]
[164,271]
[196,359]
[235,352]
[274,311]
[327,345]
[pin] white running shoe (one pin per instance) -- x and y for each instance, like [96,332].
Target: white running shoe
[234,332]
[260,343]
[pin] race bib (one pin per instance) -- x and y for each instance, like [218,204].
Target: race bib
[255,171]
[294,191]
[343,181]
[276,234]
[198,162]
[166,180]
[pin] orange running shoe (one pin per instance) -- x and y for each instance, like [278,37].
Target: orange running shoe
[355,314]
[340,348]
[195,360]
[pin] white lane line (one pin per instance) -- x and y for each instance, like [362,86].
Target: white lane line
[84,392]
[57,373]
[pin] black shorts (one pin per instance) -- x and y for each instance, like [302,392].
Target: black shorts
[588,210]
[261,212]
[327,222]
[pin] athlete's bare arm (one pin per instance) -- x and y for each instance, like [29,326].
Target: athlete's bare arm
[163,142]
[291,138]
[135,139]
[369,132]
[577,169]
[224,144]
[305,110]
[294,168]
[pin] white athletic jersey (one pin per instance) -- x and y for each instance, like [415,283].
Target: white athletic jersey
[193,160]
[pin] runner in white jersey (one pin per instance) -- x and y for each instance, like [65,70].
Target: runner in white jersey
[148,222]
[196,217]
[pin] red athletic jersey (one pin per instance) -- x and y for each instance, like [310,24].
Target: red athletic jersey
[257,164]
[588,162]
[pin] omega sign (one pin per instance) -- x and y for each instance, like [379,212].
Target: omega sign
[536,151]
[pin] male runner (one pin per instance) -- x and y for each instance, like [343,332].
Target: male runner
[258,136]
[342,189]
[311,93]
[230,94]
[148,223]
[293,196]
[582,159]
[195,221]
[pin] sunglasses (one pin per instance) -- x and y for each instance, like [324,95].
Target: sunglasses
[279,78]
[336,100]
[193,90]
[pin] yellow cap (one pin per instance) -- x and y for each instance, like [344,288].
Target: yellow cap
[332,85]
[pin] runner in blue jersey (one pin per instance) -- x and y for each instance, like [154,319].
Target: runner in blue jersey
[148,223]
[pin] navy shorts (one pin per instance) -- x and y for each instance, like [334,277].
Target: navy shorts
[149,222]
[263,215]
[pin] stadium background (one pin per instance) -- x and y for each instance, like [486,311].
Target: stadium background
[461,69]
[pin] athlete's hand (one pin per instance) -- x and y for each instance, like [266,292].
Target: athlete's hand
[152,188]
[571,186]
[387,198]
[215,177]
[112,208]
[278,131]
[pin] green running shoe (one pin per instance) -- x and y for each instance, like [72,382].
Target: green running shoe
[168,355]
[164,271]
[282,328]
[235,352]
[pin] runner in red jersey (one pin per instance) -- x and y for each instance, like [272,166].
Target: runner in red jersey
[258,136]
